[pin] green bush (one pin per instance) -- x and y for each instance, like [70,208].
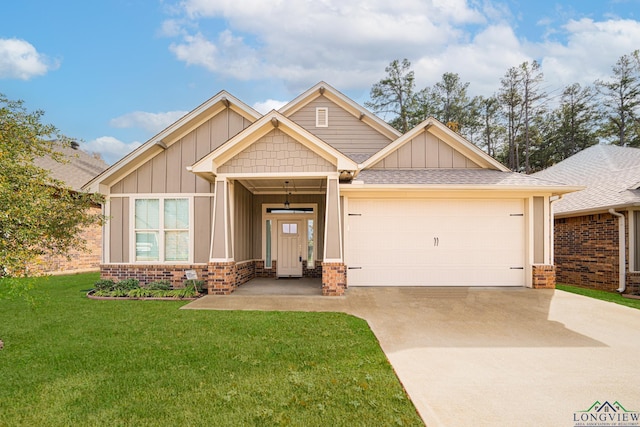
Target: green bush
[197,285]
[162,285]
[139,293]
[104,285]
[127,285]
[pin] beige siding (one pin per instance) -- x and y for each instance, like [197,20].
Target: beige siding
[119,230]
[203,210]
[218,249]
[259,200]
[166,172]
[345,132]
[538,230]
[276,152]
[243,222]
[425,151]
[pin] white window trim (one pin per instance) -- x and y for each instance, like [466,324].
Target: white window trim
[274,228]
[322,113]
[161,243]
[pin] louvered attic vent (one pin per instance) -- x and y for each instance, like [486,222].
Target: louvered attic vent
[322,117]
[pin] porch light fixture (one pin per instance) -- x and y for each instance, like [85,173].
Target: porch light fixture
[286,197]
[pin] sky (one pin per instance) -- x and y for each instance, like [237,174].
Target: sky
[113,73]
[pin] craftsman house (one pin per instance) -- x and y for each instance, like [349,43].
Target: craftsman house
[322,188]
[597,230]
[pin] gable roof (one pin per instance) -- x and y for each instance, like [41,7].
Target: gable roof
[324,89]
[173,133]
[611,175]
[209,164]
[80,167]
[453,139]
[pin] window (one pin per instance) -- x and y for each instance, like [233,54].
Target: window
[162,230]
[268,258]
[636,243]
[322,117]
[310,260]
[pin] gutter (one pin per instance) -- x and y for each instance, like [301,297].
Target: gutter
[622,251]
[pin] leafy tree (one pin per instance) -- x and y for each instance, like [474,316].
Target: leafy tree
[38,214]
[395,94]
[510,99]
[621,101]
[491,129]
[532,99]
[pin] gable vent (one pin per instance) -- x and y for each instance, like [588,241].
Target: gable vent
[322,117]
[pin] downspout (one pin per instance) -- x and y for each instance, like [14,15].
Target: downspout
[622,241]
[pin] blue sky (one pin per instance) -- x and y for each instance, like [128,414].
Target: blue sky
[114,73]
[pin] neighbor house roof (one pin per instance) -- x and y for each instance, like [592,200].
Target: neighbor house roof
[611,175]
[79,168]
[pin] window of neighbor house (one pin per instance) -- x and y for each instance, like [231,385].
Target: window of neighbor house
[162,230]
[636,240]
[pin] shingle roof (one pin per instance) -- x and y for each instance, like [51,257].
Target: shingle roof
[471,177]
[80,168]
[610,173]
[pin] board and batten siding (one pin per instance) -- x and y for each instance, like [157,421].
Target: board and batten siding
[119,230]
[425,151]
[259,200]
[202,220]
[167,173]
[345,132]
[243,223]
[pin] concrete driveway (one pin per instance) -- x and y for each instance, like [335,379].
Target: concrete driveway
[491,356]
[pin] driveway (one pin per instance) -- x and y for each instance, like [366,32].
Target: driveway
[490,356]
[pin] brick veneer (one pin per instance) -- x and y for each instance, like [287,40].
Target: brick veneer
[334,279]
[77,260]
[151,273]
[544,276]
[586,251]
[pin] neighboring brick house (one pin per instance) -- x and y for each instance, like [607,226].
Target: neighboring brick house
[80,169]
[597,230]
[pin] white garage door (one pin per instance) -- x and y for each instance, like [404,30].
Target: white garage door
[435,242]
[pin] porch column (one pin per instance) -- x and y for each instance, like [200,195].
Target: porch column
[543,272]
[222,267]
[334,272]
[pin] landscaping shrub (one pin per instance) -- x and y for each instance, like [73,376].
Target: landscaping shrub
[127,284]
[104,285]
[163,285]
[198,285]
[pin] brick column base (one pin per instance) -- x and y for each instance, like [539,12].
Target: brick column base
[222,278]
[334,279]
[544,276]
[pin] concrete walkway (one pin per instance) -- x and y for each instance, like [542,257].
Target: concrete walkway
[489,356]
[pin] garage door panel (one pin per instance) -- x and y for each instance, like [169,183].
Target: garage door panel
[435,242]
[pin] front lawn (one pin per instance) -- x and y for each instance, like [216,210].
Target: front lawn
[601,295]
[74,361]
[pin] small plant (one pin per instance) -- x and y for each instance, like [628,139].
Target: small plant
[162,285]
[127,284]
[197,285]
[104,285]
[140,293]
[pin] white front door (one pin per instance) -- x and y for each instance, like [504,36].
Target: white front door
[289,248]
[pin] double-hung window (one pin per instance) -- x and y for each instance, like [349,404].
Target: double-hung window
[162,230]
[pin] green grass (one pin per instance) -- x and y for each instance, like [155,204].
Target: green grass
[70,360]
[601,295]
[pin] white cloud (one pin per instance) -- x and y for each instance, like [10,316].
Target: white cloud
[270,104]
[19,59]
[151,122]
[111,149]
[348,44]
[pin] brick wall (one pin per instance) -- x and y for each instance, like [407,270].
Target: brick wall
[334,279]
[544,276]
[151,273]
[586,251]
[77,260]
